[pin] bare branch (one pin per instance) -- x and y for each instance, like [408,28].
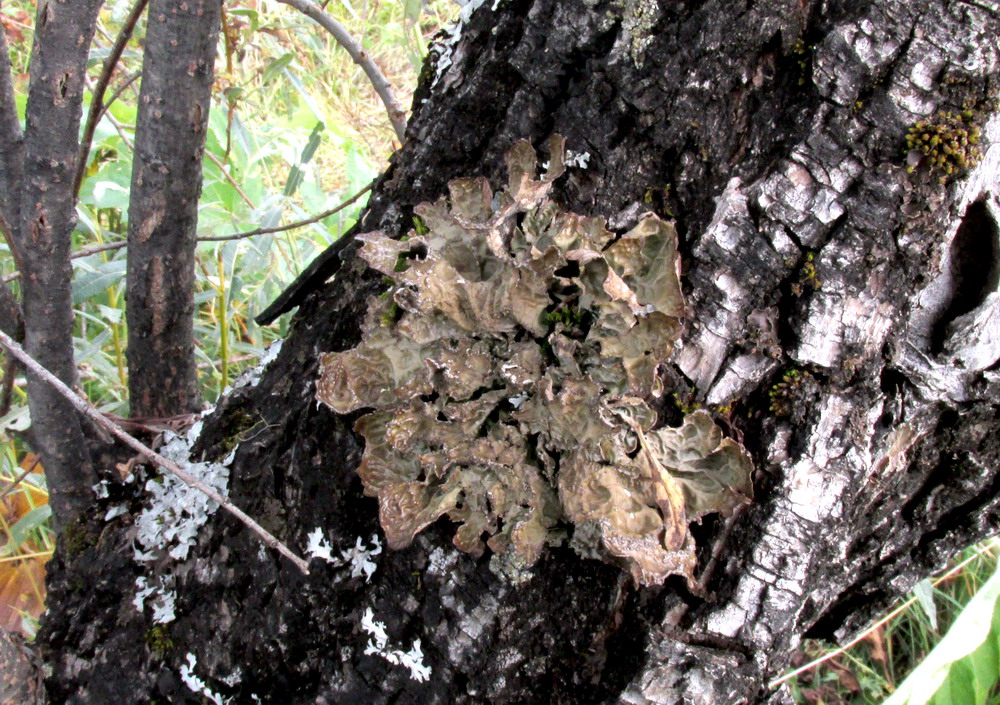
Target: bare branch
[229,177]
[88,410]
[397,116]
[289,226]
[116,94]
[20,478]
[97,106]
[121,244]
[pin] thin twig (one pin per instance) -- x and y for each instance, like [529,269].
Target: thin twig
[85,408]
[121,244]
[231,180]
[397,116]
[863,635]
[20,478]
[289,226]
[97,95]
[116,94]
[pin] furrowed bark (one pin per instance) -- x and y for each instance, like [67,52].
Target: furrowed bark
[841,326]
[170,136]
[63,32]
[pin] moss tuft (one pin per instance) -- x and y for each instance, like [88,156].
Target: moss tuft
[948,146]
[158,640]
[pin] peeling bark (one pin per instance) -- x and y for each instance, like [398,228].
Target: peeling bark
[841,326]
[171,128]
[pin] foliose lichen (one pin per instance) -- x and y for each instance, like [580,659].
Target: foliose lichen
[511,389]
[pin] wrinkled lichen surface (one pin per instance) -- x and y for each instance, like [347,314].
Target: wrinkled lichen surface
[510,365]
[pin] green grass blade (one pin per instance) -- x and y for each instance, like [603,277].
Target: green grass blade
[947,674]
[21,531]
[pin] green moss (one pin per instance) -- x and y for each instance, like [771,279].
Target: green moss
[808,278]
[77,538]
[419,227]
[803,53]
[158,640]
[783,393]
[947,146]
[235,427]
[686,404]
[572,318]
[391,315]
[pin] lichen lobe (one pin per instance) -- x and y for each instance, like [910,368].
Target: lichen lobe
[510,384]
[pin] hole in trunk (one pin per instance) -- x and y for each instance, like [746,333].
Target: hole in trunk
[974,269]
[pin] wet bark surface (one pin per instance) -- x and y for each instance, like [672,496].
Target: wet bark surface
[163,214]
[841,326]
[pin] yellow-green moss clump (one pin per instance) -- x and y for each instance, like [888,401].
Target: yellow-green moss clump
[510,384]
[949,145]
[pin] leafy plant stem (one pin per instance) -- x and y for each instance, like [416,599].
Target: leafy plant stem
[223,325]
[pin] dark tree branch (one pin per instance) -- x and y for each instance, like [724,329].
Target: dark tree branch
[170,133]
[20,478]
[63,32]
[97,105]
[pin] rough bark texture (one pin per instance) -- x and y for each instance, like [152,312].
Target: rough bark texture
[171,128]
[774,133]
[43,238]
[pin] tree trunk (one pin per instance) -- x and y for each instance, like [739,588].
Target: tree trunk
[163,213]
[43,194]
[841,327]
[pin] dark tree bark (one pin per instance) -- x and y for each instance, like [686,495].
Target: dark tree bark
[171,128]
[841,326]
[39,191]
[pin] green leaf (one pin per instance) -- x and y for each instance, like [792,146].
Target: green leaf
[17,419]
[276,66]
[411,10]
[20,531]
[935,678]
[925,597]
[295,177]
[113,315]
[89,284]
[108,194]
[313,144]
[252,15]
